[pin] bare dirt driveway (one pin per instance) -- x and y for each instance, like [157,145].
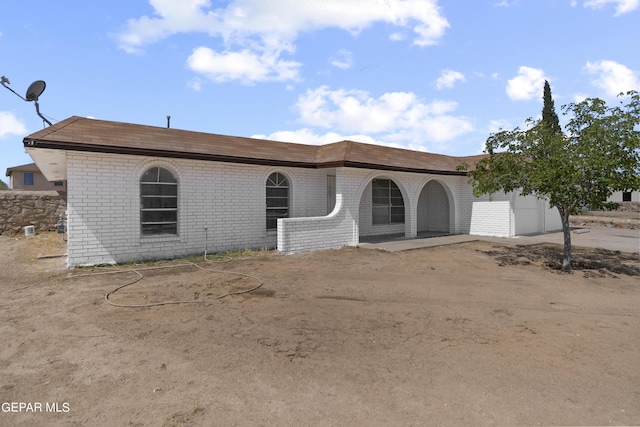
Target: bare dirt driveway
[476,334]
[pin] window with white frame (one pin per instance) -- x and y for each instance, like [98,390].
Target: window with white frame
[277,199]
[158,202]
[387,201]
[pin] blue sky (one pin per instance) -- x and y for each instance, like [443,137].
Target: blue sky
[428,75]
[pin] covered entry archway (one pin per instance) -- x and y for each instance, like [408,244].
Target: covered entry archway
[435,209]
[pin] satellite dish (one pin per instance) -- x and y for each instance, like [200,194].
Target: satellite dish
[35,90]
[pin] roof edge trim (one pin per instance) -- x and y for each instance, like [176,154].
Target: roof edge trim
[160,153]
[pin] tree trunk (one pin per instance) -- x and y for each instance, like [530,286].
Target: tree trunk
[566,230]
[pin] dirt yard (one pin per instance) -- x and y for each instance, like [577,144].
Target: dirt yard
[470,334]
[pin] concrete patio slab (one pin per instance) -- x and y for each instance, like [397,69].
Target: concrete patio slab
[614,239]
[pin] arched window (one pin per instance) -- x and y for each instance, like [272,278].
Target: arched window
[388,204]
[277,199]
[158,202]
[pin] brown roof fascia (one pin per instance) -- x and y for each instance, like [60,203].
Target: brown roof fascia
[361,165]
[91,148]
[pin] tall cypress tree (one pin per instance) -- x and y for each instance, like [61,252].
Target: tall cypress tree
[549,116]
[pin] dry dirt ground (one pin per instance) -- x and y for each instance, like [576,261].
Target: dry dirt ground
[470,334]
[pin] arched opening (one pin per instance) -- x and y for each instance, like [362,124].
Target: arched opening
[434,212]
[382,209]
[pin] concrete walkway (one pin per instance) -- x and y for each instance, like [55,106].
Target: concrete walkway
[614,239]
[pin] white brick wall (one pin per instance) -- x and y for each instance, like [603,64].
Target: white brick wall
[617,197]
[339,228]
[552,220]
[492,218]
[528,214]
[229,200]
[352,218]
[425,206]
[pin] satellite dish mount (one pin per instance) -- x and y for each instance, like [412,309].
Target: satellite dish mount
[33,93]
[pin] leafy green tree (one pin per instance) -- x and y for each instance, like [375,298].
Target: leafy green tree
[598,153]
[3,185]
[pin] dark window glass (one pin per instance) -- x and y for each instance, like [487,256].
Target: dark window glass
[28,178]
[277,199]
[388,204]
[158,202]
[159,190]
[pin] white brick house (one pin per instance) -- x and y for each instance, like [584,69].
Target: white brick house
[624,196]
[139,192]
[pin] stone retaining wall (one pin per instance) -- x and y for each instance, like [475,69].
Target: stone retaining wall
[18,209]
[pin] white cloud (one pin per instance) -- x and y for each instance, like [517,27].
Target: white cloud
[172,18]
[195,84]
[308,136]
[283,18]
[395,117]
[342,59]
[11,125]
[246,65]
[613,77]
[252,29]
[622,6]
[579,97]
[526,85]
[448,79]
[498,125]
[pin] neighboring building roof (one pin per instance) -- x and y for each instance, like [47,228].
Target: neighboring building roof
[30,167]
[83,134]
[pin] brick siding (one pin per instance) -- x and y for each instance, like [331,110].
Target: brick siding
[228,199]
